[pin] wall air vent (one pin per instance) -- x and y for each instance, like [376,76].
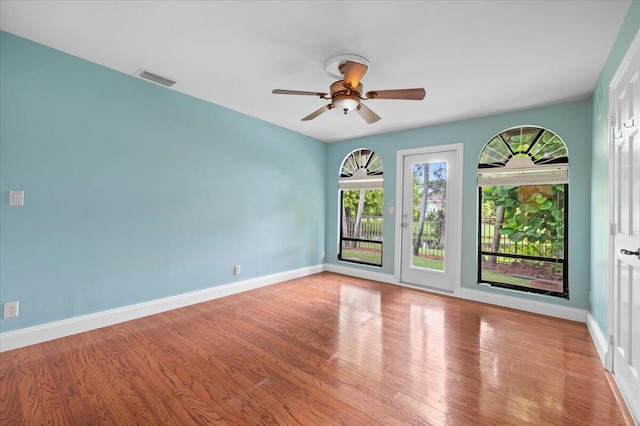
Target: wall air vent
[142,73]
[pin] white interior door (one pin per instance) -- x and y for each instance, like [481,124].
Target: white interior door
[625,212]
[430,217]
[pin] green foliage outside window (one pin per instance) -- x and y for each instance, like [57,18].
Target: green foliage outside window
[372,202]
[533,215]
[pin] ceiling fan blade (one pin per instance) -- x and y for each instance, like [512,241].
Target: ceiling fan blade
[369,116]
[353,72]
[317,112]
[408,94]
[297,92]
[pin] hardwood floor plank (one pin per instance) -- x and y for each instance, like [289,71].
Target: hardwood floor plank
[325,349]
[11,406]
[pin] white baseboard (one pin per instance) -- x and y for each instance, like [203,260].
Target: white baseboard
[526,305]
[599,339]
[504,300]
[360,273]
[42,333]
[54,330]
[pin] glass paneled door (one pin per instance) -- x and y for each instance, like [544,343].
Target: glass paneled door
[429,231]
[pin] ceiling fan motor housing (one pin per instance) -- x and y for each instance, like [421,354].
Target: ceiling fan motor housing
[343,98]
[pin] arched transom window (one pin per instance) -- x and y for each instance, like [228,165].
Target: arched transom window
[361,168]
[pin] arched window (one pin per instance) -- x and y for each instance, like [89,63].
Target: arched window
[523,179]
[361,198]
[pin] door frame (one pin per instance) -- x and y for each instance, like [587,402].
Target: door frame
[458,148]
[617,77]
[635,45]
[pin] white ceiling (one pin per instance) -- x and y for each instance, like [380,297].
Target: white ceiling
[474,58]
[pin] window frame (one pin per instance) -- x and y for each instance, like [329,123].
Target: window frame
[564,261]
[527,166]
[361,240]
[355,175]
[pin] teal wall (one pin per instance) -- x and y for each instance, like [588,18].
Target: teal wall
[135,192]
[600,171]
[571,121]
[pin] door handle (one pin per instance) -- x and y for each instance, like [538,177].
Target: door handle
[404,224]
[631,253]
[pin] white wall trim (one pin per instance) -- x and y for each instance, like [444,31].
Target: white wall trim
[54,330]
[599,340]
[533,306]
[626,61]
[504,300]
[360,273]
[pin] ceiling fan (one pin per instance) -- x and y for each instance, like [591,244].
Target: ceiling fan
[346,93]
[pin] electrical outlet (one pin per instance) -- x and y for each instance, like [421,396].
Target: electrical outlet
[323,254]
[11,309]
[236,270]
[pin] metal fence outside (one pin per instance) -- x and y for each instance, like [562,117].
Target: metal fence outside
[433,237]
[432,241]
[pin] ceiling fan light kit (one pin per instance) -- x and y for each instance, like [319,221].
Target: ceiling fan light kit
[345,100]
[346,93]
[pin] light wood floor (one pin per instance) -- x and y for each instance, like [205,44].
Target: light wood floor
[321,350]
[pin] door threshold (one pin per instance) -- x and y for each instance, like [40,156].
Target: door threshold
[427,288]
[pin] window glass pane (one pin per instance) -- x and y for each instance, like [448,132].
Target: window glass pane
[526,273]
[361,239]
[495,152]
[363,160]
[429,206]
[361,252]
[362,214]
[549,147]
[527,220]
[374,167]
[520,138]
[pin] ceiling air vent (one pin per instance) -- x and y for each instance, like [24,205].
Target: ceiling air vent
[142,73]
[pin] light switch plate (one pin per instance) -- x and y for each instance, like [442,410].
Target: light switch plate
[16,198]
